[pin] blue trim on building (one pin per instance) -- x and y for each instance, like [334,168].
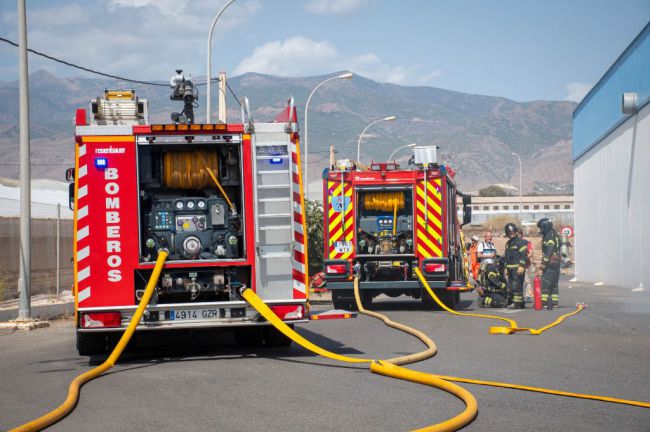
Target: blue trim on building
[599,113]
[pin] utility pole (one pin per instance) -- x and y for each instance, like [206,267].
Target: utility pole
[24,277]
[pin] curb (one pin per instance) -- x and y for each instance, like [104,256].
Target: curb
[42,312]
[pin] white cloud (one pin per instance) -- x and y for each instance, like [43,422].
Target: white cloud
[299,56]
[334,7]
[141,39]
[576,91]
[166,7]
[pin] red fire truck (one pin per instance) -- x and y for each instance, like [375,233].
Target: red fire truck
[224,199]
[383,222]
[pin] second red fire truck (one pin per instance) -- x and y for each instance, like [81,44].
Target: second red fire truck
[383,222]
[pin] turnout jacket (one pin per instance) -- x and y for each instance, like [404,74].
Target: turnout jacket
[516,252]
[492,280]
[550,247]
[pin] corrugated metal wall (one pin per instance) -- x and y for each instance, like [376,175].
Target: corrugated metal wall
[600,110]
[612,207]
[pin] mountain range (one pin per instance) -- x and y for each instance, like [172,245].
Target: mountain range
[476,134]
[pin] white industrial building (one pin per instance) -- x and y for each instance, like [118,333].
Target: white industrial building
[611,153]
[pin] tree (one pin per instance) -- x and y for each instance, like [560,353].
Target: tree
[493,191]
[314,218]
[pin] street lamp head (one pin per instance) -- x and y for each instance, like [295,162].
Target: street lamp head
[411,145]
[391,118]
[347,75]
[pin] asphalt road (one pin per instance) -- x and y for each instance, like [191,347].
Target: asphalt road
[205,383]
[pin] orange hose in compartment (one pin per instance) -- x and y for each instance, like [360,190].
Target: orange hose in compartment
[187,169]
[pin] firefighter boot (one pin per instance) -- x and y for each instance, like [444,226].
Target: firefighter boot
[555,298]
[517,302]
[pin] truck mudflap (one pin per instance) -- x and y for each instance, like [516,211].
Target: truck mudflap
[189,315]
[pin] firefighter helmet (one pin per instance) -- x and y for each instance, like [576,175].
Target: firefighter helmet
[545,225]
[509,228]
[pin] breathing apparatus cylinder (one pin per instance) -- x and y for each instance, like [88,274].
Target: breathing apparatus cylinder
[564,245]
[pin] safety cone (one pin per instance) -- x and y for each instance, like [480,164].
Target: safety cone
[537,293]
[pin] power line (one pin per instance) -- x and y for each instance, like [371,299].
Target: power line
[93,71]
[96,72]
[233,93]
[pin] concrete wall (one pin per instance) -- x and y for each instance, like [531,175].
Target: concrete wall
[612,207]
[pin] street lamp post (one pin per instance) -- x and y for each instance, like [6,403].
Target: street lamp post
[520,191]
[209,74]
[25,253]
[306,179]
[398,149]
[390,118]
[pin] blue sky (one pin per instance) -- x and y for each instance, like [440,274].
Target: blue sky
[522,50]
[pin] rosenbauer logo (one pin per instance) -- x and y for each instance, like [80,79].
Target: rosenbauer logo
[110,150]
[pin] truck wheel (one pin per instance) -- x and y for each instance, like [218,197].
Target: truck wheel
[344,299]
[91,343]
[427,301]
[248,336]
[448,298]
[274,338]
[366,298]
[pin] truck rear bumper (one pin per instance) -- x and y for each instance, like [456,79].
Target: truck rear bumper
[386,285]
[189,315]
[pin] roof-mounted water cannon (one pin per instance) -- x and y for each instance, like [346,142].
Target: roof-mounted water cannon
[183,90]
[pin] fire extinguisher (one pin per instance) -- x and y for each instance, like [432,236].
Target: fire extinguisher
[537,293]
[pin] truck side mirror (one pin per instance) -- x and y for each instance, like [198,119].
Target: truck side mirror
[71,196]
[69,174]
[467,214]
[467,200]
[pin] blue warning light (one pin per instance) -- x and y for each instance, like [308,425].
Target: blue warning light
[276,160]
[101,162]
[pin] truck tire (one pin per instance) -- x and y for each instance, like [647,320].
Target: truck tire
[91,343]
[248,336]
[274,338]
[344,299]
[366,298]
[449,298]
[427,301]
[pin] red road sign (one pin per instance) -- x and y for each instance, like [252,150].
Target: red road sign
[568,230]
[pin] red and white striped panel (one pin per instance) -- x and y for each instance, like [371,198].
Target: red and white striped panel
[83,227]
[299,231]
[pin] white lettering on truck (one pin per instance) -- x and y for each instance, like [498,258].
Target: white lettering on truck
[113,247]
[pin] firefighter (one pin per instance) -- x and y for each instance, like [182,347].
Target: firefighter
[492,288]
[516,254]
[550,266]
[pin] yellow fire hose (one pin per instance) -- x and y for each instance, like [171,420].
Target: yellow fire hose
[73,391]
[514,327]
[387,368]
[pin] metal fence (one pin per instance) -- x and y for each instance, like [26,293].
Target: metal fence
[51,241]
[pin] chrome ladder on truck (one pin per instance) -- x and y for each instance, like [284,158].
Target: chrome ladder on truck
[273,210]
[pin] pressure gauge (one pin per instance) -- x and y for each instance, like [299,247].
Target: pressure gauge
[200,204]
[190,205]
[179,205]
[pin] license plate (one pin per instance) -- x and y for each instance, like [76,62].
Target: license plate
[193,314]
